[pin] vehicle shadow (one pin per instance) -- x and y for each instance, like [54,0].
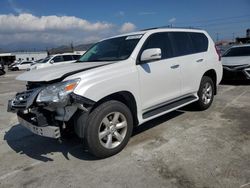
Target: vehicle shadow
[23,142]
[235,82]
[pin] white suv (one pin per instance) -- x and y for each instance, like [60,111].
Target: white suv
[57,59]
[119,83]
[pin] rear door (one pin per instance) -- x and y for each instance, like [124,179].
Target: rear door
[188,49]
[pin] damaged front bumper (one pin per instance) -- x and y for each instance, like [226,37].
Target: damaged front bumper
[46,131]
[49,119]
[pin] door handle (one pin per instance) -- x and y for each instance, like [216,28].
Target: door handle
[199,60]
[174,66]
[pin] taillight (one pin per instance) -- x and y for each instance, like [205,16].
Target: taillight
[218,52]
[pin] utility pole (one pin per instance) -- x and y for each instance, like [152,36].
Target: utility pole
[233,37]
[217,37]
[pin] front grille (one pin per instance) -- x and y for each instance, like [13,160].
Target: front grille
[21,99]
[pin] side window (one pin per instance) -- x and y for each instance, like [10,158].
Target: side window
[181,43]
[67,58]
[200,42]
[58,59]
[157,40]
[26,62]
[76,57]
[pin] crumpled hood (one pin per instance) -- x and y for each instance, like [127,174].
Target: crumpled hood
[58,72]
[231,61]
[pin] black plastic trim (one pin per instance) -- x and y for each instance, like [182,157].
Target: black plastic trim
[167,106]
[82,100]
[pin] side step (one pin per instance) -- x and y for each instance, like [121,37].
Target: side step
[168,106]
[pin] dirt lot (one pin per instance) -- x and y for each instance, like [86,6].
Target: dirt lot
[184,149]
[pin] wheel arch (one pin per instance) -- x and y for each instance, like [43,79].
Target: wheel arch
[126,98]
[212,74]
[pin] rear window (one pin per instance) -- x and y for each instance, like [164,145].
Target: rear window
[67,58]
[238,51]
[200,42]
[76,57]
[181,43]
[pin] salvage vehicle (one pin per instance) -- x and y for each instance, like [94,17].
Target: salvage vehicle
[236,63]
[23,65]
[57,59]
[119,83]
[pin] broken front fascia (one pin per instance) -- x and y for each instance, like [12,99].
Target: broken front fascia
[62,106]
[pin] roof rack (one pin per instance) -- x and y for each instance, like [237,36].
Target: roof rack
[170,26]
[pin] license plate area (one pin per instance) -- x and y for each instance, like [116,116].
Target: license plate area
[46,131]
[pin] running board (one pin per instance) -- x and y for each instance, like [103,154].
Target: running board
[169,106]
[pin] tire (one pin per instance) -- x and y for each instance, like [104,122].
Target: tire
[108,129]
[2,72]
[205,93]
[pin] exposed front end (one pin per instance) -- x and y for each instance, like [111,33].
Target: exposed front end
[45,108]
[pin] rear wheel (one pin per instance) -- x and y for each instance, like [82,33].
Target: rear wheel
[108,129]
[2,72]
[205,93]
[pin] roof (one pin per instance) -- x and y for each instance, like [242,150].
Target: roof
[159,29]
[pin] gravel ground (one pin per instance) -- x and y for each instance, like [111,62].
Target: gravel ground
[183,149]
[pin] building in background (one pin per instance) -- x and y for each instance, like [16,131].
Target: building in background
[9,58]
[244,40]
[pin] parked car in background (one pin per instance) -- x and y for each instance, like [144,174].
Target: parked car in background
[24,65]
[236,63]
[119,83]
[2,68]
[57,59]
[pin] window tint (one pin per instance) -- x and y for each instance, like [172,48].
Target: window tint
[76,57]
[58,59]
[158,40]
[67,58]
[239,51]
[200,42]
[181,43]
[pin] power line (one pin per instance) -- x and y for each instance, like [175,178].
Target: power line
[225,23]
[216,19]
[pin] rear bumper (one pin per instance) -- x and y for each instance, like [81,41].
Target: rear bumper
[46,131]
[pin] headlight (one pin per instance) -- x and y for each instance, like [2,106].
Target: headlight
[57,92]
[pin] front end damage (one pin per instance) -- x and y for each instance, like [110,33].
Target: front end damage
[47,118]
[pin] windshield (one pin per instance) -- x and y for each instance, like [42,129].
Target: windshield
[114,49]
[238,51]
[45,60]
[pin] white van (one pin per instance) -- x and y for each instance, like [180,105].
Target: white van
[57,59]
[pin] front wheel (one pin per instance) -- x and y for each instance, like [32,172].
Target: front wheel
[108,129]
[205,93]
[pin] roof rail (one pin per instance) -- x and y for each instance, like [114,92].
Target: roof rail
[170,26]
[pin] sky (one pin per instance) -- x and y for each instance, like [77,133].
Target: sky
[41,24]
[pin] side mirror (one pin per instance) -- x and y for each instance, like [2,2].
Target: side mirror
[151,54]
[52,61]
